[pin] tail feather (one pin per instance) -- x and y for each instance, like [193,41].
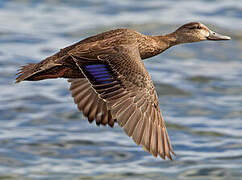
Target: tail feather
[25,72]
[36,72]
[40,71]
[48,69]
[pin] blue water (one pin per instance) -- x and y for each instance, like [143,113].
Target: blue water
[44,136]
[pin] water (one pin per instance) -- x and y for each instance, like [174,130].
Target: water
[42,134]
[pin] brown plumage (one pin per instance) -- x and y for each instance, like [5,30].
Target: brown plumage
[109,82]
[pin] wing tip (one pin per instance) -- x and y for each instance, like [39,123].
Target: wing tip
[170,155]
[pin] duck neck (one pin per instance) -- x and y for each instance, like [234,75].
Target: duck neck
[167,41]
[157,45]
[154,45]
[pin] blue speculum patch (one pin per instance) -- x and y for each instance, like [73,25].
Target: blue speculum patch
[98,73]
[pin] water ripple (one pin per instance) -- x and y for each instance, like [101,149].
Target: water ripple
[42,134]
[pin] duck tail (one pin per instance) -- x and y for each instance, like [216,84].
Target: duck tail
[48,69]
[40,71]
[25,72]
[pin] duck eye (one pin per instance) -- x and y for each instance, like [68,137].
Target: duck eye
[199,27]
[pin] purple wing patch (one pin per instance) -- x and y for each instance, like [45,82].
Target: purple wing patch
[98,73]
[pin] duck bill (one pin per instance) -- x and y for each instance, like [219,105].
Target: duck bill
[217,37]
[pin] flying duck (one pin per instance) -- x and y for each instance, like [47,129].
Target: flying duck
[109,82]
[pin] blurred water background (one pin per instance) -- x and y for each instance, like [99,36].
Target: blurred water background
[42,134]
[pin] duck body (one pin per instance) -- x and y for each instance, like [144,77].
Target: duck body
[109,82]
[148,45]
[62,65]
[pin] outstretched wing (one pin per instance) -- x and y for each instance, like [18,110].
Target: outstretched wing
[122,82]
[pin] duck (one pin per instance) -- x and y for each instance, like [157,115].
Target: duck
[110,84]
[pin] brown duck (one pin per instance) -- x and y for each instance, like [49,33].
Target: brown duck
[109,82]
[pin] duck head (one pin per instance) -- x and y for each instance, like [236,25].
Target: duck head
[194,32]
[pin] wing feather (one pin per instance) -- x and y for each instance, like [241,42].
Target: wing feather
[121,82]
[89,102]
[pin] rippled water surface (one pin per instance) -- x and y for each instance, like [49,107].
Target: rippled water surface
[42,134]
